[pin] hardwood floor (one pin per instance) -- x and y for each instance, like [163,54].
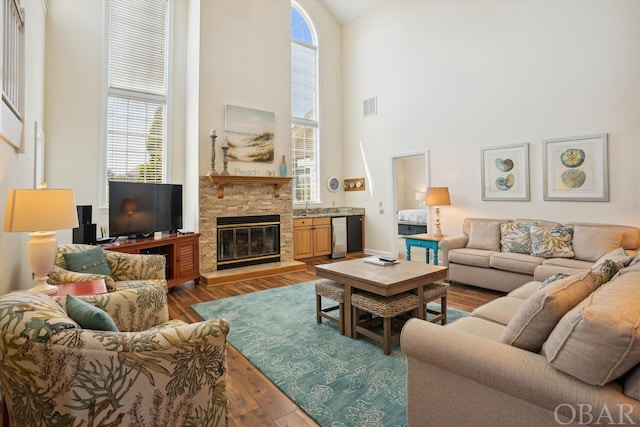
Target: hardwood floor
[253,399]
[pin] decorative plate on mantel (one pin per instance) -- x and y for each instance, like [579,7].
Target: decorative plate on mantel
[333,183]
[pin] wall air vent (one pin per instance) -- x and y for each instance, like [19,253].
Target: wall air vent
[370,107]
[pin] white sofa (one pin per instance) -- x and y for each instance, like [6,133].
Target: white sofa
[566,354]
[487,255]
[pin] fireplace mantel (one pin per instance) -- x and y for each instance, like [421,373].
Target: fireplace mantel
[222,180]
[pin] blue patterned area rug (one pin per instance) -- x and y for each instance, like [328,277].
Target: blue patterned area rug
[337,380]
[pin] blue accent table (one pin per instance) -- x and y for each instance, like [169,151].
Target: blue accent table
[426,241]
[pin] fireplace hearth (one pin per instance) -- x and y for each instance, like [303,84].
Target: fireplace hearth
[247,240]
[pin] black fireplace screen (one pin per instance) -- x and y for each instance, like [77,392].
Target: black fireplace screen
[248,240]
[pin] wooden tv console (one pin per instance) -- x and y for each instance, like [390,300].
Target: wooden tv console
[181,251]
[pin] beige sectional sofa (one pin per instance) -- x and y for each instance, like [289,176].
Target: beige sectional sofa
[502,254]
[566,354]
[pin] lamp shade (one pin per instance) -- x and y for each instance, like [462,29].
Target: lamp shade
[420,195]
[438,196]
[40,210]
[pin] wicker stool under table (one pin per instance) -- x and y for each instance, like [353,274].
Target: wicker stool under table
[432,292]
[334,291]
[385,308]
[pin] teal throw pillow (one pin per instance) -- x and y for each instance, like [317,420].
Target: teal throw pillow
[89,316]
[89,261]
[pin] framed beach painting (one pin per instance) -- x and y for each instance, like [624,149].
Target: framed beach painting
[249,133]
[505,173]
[575,169]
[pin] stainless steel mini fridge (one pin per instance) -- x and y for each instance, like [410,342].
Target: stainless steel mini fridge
[338,237]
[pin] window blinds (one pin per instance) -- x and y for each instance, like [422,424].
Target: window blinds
[304,122]
[136,104]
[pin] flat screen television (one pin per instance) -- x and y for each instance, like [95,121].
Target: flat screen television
[138,209]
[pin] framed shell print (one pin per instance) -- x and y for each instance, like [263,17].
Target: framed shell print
[575,169]
[505,173]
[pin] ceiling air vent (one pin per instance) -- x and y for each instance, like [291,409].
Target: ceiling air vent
[370,107]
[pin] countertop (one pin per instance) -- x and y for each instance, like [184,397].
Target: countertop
[326,212]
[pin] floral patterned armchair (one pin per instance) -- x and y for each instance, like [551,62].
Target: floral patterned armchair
[153,372]
[128,270]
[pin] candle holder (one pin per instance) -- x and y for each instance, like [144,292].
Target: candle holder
[213,172]
[225,159]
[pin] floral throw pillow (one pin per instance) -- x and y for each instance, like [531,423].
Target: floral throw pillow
[604,270]
[515,237]
[551,242]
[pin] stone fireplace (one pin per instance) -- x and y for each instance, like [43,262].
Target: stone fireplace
[242,196]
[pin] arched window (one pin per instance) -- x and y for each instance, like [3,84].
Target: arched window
[304,107]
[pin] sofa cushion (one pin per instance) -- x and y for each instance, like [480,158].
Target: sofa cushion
[618,255]
[89,261]
[484,235]
[525,291]
[515,237]
[539,314]
[632,383]
[599,340]
[567,263]
[630,238]
[591,243]
[518,263]
[474,257]
[551,242]
[500,310]
[477,326]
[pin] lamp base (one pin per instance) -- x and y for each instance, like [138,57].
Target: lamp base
[44,287]
[437,232]
[41,252]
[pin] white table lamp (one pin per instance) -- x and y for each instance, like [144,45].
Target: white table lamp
[39,212]
[420,197]
[438,196]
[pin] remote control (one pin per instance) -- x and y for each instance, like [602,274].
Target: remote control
[386,259]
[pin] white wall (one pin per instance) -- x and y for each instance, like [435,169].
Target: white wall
[17,169]
[245,57]
[452,77]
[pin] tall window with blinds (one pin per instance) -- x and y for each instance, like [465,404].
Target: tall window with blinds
[137,88]
[304,106]
[12,73]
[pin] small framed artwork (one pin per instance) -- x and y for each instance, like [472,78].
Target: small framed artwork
[575,169]
[505,173]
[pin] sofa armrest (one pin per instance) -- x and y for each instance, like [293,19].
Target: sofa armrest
[134,309]
[448,243]
[164,338]
[505,369]
[59,276]
[172,376]
[126,266]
